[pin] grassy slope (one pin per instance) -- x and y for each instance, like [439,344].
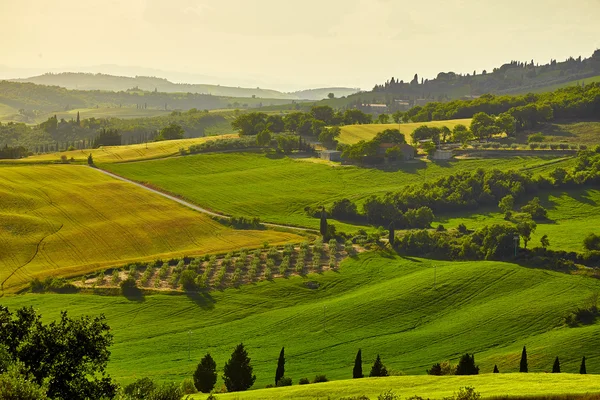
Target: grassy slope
[71,219]
[581,132]
[109,154]
[277,190]
[551,88]
[354,133]
[431,387]
[573,215]
[382,304]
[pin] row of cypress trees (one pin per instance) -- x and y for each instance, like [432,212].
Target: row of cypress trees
[523,367]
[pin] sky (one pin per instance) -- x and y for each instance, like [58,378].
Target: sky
[289,45]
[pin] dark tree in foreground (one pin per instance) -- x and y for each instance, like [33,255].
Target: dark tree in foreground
[556,366]
[378,369]
[90,160]
[392,236]
[357,371]
[466,365]
[436,369]
[69,354]
[323,226]
[496,369]
[280,373]
[582,369]
[523,364]
[205,376]
[237,373]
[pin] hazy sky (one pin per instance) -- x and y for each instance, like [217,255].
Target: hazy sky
[293,44]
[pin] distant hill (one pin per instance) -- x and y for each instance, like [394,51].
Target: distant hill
[514,77]
[90,81]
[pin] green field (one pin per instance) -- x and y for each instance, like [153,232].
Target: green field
[277,189]
[582,132]
[431,387]
[68,220]
[551,88]
[572,216]
[380,303]
[8,114]
[354,133]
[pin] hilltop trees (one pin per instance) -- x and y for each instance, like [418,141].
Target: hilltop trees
[237,373]
[205,375]
[357,371]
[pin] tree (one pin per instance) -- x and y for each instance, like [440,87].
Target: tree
[383,118]
[344,209]
[556,366]
[507,203]
[357,370]
[171,132]
[496,369]
[328,136]
[397,116]
[461,134]
[16,384]
[507,124]
[78,119]
[535,209]
[392,234]
[90,160]
[237,373]
[390,136]
[323,225]
[322,113]
[582,369]
[69,355]
[523,363]
[378,369]
[544,242]
[331,96]
[263,139]
[429,148]
[591,242]
[483,125]
[280,372]
[525,229]
[436,369]
[466,365]
[275,123]
[250,124]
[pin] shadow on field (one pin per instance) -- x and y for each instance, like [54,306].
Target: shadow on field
[134,294]
[202,299]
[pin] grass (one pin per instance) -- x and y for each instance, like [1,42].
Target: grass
[551,88]
[572,216]
[354,133]
[8,114]
[277,189]
[380,303]
[580,132]
[110,154]
[68,220]
[431,387]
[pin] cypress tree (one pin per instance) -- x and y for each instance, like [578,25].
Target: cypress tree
[357,371]
[237,373]
[392,237]
[205,376]
[280,366]
[496,369]
[556,366]
[323,227]
[523,365]
[378,369]
[90,160]
[78,120]
[466,365]
[582,369]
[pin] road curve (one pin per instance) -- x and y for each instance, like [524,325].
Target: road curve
[191,205]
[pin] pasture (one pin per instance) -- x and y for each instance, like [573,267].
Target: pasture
[431,387]
[381,303]
[352,134]
[277,189]
[69,220]
[581,132]
[572,216]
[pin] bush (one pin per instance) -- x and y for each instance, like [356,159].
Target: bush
[536,137]
[592,242]
[388,395]
[284,381]
[303,381]
[320,379]
[467,393]
[187,387]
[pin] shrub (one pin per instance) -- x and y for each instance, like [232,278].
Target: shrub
[188,280]
[300,267]
[536,137]
[320,379]
[543,146]
[533,146]
[303,381]
[388,395]
[267,273]
[140,389]
[187,387]
[495,145]
[591,242]
[284,381]
[467,393]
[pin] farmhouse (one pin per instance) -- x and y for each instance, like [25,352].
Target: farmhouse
[331,155]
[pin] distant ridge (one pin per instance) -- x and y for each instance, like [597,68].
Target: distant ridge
[91,81]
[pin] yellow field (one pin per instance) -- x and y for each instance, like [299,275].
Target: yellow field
[68,220]
[134,152]
[354,133]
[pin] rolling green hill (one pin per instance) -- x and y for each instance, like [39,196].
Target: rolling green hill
[60,220]
[380,303]
[277,189]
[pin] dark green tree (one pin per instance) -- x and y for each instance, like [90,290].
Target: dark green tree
[70,355]
[323,225]
[78,119]
[171,132]
[263,139]
[90,160]
[280,372]
[357,370]
[392,235]
[237,373]
[556,366]
[378,369]
[582,369]
[496,369]
[205,375]
[523,364]
[466,365]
